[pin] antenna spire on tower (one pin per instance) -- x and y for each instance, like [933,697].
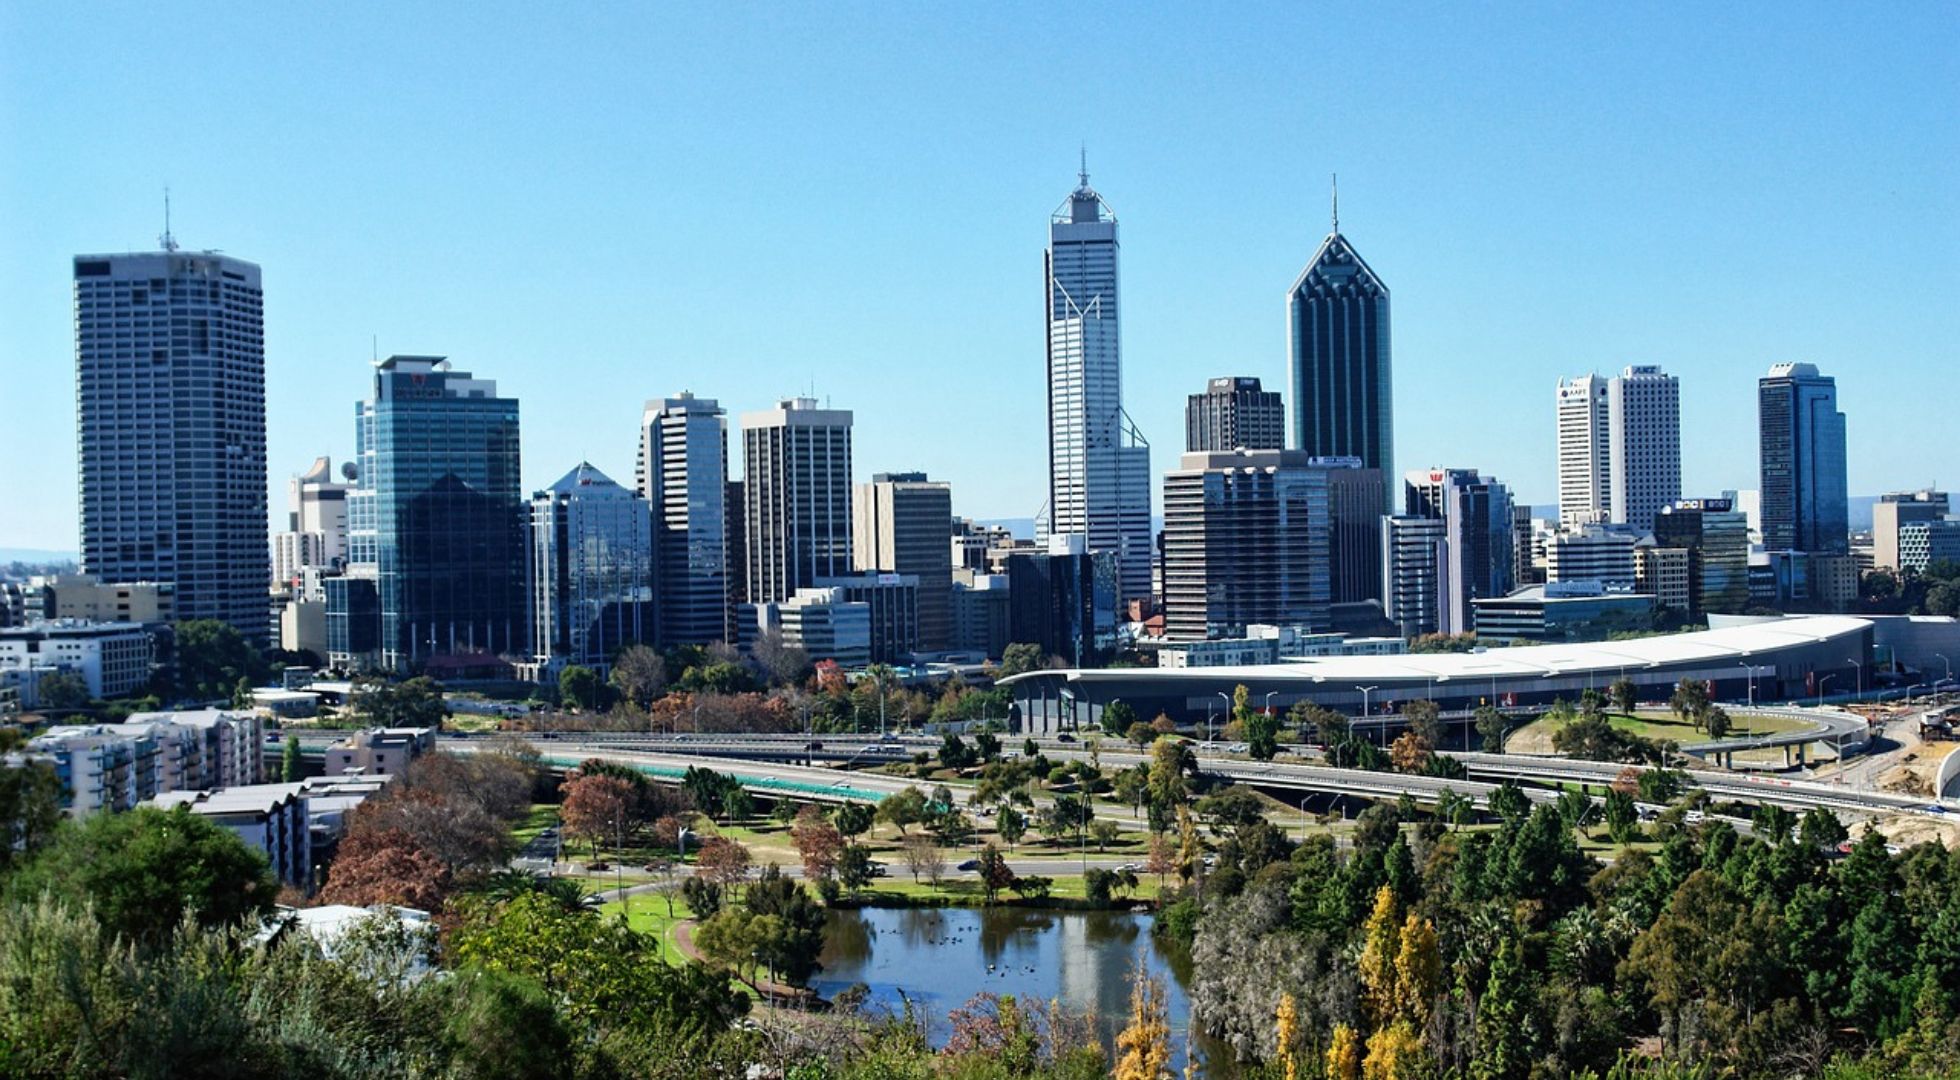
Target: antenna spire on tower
[1337,202]
[1084,174]
[168,241]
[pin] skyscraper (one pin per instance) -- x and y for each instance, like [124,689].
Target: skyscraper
[797,485]
[1477,547]
[1584,452]
[1234,413]
[1338,326]
[1619,447]
[684,474]
[1246,540]
[1098,462]
[1805,491]
[591,570]
[449,514]
[170,429]
[904,525]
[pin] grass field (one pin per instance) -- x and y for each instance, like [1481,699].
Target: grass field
[1536,737]
[540,817]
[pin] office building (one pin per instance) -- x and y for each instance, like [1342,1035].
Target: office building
[1804,490]
[591,571]
[1062,598]
[974,542]
[379,751]
[115,660]
[1354,539]
[1602,554]
[1476,515]
[797,486]
[1619,447]
[1893,512]
[1807,581]
[981,613]
[1338,330]
[1273,645]
[315,535]
[1234,413]
[1920,544]
[1098,462]
[824,623]
[85,598]
[683,473]
[736,502]
[1716,538]
[1526,559]
[1562,611]
[1663,573]
[170,428]
[449,514]
[892,604]
[1415,569]
[353,621]
[904,525]
[1246,541]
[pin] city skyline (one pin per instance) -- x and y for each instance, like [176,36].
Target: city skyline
[1601,217]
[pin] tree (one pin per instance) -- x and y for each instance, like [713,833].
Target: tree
[1624,694]
[1690,701]
[722,861]
[30,807]
[782,664]
[291,765]
[1131,786]
[639,675]
[415,703]
[1168,760]
[579,687]
[1019,658]
[1622,816]
[1490,728]
[1503,1025]
[1821,830]
[1344,1054]
[1508,801]
[1011,824]
[595,808]
[1118,718]
[907,807]
[853,819]
[386,867]
[1380,942]
[1410,752]
[1034,887]
[953,752]
[1103,832]
[211,657]
[61,691]
[734,939]
[144,871]
[995,874]
[818,843]
[1425,719]
[855,869]
[1144,1047]
[499,1024]
[1716,719]
[793,942]
[1262,735]
[703,897]
[922,856]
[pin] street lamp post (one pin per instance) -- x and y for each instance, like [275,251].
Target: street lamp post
[1861,675]
[1751,670]
[1364,699]
[1949,666]
[1821,683]
[1228,710]
[1303,817]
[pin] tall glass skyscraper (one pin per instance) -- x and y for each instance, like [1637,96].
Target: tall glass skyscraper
[1805,489]
[1343,392]
[591,570]
[684,475]
[170,428]
[1098,462]
[797,486]
[448,513]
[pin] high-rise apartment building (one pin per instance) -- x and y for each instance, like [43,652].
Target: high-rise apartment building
[1338,329]
[448,514]
[1098,462]
[1234,413]
[1894,511]
[591,570]
[1246,540]
[170,429]
[1619,447]
[1804,490]
[904,525]
[1415,572]
[797,485]
[683,473]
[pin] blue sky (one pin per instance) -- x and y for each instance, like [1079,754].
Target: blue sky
[752,200]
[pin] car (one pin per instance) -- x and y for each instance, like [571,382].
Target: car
[813,746]
[970,864]
[1934,808]
[598,867]
[841,784]
[1064,737]
[1692,817]
[879,869]
[888,737]
[592,900]
[1129,867]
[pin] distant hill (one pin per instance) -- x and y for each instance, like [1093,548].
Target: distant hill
[36,555]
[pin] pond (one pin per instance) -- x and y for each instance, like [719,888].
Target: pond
[938,958]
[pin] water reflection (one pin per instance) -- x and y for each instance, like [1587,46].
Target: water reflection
[937,958]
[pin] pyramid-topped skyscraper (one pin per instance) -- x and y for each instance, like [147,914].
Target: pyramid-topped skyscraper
[1343,386]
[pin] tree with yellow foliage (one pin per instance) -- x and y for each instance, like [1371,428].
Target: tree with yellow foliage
[1394,1053]
[1418,970]
[1146,1044]
[1344,1054]
[1189,850]
[1286,1028]
[1381,943]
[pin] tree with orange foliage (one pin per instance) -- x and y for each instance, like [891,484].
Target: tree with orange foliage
[595,808]
[1409,753]
[722,861]
[386,867]
[818,842]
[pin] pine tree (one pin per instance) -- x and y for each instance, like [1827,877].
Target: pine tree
[1344,1054]
[1286,1028]
[1418,970]
[1503,1038]
[1380,944]
[1146,1044]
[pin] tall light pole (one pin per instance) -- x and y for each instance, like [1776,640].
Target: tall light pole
[1861,676]
[1820,688]
[1751,669]
[1228,711]
[1364,699]
[1949,666]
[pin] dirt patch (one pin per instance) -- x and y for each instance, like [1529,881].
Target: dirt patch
[1904,831]
[1913,775]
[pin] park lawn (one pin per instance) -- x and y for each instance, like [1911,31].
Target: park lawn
[540,817]
[648,915]
[1536,737]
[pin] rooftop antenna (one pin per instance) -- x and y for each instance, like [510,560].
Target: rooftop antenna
[1084,174]
[1337,202]
[374,348]
[168,241]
